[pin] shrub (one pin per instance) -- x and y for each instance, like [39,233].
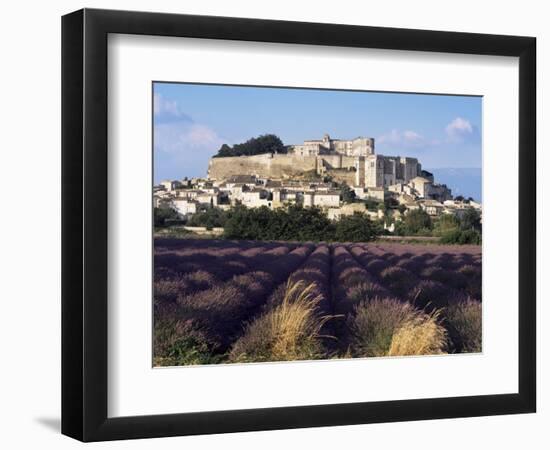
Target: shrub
[178,343]
[399,280]
[254,284]
[430,295]
[376,266]
[461,237]
[276,297]
[291,331]
[352,276]
[410,265]
[168,290]
[473,278]
[422,335]
[446,223]
[464,323]
[453,279]
[187,351]
[200,280]
[417,222]
[375,322]
[365,291]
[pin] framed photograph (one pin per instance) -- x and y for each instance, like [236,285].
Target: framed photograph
[273,224]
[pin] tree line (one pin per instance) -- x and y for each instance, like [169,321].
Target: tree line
[298,223]
[294,222]
[451,229]
[266,143]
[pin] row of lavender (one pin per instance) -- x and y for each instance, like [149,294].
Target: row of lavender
[211,292]
[423,276]
[204,294]
[447,283]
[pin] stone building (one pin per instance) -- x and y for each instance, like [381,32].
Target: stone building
[170,185]
[327,199]
[427,189]
[347,161]
[185,206]
[353,162]
[359,146]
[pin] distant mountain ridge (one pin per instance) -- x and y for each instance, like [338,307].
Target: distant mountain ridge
[462,181]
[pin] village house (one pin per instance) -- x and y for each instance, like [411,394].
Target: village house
[255,198]
[328,199]
[170,185]
[432,207]
[185,206]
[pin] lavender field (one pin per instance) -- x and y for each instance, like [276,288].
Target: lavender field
[222,301]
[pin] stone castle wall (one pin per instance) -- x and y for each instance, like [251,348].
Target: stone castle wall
[266,165]
[343,176]
[337,161]
[370,171]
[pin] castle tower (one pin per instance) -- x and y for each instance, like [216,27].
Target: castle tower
[374,171]
[360,171]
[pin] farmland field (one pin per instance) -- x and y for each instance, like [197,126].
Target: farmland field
[223,301]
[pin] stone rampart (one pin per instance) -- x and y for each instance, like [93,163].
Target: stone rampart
[265,165]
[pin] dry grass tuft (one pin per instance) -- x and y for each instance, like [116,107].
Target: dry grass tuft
[388,327]
[374,323]
[421,335]
[464,319]
[290,331]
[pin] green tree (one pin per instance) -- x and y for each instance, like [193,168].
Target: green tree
[355,228]
[266,143]
[347,194]
[163,215]
[461,237]
[417,222]
[305,224]
[210,218]
[471,220]
[446,223]
[225,150]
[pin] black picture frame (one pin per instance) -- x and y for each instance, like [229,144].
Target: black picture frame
[84,224]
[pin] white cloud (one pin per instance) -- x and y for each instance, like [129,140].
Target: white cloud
[201,135]
[459,129]
[393,137]
[412,137]
[182,137]
[167,110]
[175,132]
[407,138]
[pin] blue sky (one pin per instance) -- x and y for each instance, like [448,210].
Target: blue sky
[192,121]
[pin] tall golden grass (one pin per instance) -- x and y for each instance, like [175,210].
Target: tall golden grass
[289,331]
[389,327]
[420,335]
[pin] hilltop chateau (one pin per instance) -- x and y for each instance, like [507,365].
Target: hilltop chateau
[313,174]
[351,161]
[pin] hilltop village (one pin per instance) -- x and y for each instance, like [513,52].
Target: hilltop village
[339,176]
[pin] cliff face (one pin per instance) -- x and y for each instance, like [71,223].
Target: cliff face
[266,165]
